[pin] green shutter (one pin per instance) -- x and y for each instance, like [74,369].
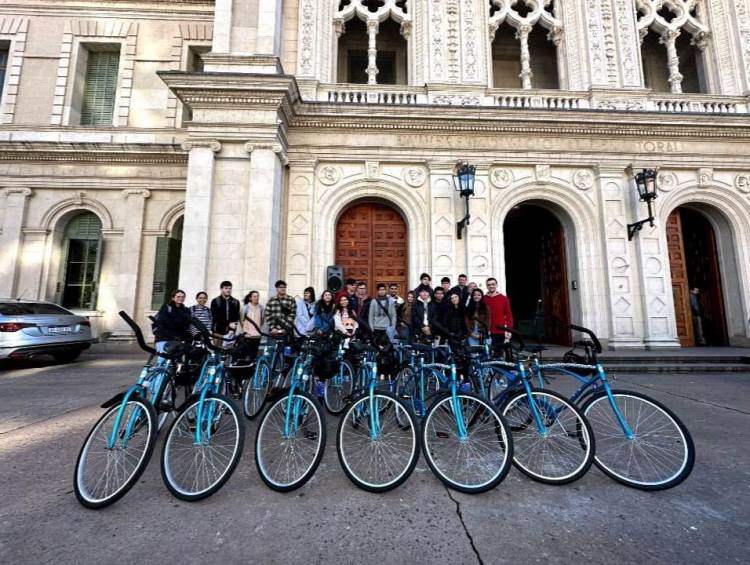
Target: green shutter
[161,267]
[166,270]
[100,88]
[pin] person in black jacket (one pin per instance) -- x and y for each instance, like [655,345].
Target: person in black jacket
[462,289]
[225,310]
[425,281]
[172,321]
[454,318]
[424,316]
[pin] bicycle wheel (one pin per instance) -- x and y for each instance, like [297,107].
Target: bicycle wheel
[103,474]
[661,454]
[288,451]
[339,388]
[560,453]
[383,462]
[256,390]
[191,469]
[477,462]
[165,403]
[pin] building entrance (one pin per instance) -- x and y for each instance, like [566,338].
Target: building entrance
[371,245]
[536,273]
[694,263]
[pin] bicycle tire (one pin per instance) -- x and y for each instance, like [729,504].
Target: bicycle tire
[350,434]
[256,390]
[272,422]
[490,431]
[336,398]
[81,490]
[181,439]
[567,446]
[607,441]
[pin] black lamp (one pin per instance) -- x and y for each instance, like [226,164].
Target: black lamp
[464,176]
[645,184]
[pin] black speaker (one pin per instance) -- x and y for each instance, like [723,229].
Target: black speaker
[335,278]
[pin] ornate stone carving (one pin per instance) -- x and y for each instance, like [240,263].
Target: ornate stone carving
[437,55]
[453,44]
[501,178]
[666,181]
[456,100]
[212,144]
[470,51]
[414,176]
[742,11]
[595,34]
[583,179]
[372,170]
[621,104]
[23,191]
[542,172]
[626,32]
[329,175]
[705,178]
[742,182]
[141,192]
[307,28]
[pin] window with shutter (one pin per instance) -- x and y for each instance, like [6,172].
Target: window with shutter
[100,88]
[83,251]
[3,66]
[166,265]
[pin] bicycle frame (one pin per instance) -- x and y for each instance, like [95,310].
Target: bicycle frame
[150,374]
[300,372]
[589,385]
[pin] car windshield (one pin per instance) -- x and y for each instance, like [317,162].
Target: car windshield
[31,308]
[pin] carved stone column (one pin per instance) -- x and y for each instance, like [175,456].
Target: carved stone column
[522,34]
[372,51]
[263,231]
[198,202]
[669,38]
[14,202]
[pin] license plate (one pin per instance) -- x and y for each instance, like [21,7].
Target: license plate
[59,329]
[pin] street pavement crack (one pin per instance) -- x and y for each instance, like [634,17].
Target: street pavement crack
[463,524]
[698,400]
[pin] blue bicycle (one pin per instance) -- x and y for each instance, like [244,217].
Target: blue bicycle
[639,442]
[205,441]
[118,448]
[291,435]
[339,388]
[377,436]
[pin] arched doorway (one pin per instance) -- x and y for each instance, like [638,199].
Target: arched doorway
[81,262]
[694,263]
[536,272]
[371,245]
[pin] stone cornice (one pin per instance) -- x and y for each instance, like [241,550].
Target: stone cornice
[136,154]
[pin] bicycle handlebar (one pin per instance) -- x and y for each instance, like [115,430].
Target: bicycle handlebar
[592,335]
[139,335]
[515,333]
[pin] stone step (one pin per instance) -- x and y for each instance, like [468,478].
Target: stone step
[696,368]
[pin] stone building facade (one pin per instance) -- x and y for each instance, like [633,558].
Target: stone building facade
[149,144]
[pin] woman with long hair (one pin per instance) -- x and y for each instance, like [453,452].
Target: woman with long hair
[252,321]
[305,310]
[455,317]
[477,318]
[172,321]
[343,319]
[403,313]
[324,312]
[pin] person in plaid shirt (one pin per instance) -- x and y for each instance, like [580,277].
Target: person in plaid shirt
[281,310]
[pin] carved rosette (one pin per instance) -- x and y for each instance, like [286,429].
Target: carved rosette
[705,178]
[414,176]
[666,182]
[742,183]
[583,179]
[329,175]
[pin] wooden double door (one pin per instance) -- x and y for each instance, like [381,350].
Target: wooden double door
[694,263]
[372,246]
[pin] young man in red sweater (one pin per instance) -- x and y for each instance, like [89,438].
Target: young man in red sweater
[500,315]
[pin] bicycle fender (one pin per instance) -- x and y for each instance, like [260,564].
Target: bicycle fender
[116,399]
[188,400]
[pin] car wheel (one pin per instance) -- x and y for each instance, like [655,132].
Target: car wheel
[67,356]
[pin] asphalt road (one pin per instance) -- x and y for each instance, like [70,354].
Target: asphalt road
[45,412]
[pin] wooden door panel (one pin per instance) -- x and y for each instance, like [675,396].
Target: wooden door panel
[555,285]
[680,292]
[371,245]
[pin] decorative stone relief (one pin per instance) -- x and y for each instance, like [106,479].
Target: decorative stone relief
[437,34]
[501,178]
[742,183]
[595,35]
[705,178]
[742,11]
[621,104]
[414,176]
[453,43]
[626,39]
[372,170]
[456,100]
[666,181]
[307,35]
[583,179]
[542,172]
[329,175]
[471,51]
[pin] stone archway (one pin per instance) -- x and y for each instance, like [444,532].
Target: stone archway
[537,271]
[372,244]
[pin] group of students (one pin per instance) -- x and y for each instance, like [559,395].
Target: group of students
[445,312]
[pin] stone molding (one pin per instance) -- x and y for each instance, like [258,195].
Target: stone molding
[190,144]
[140,192]
[15,30]
[277,148]
[23,191]
[97,31]
[81,201]
[113,153]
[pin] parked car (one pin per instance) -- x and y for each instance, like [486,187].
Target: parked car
[29,329]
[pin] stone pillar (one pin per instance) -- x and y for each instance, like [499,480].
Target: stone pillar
[196,231]
[269,28]
[522,34]
[263,230]
[130,253]
[624,316]
[657,304]
[372,51]
[15,201]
